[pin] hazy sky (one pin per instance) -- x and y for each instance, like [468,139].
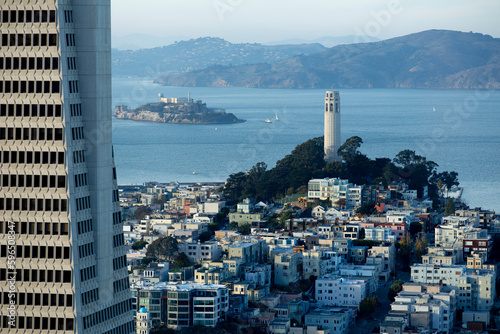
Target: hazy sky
[271,20]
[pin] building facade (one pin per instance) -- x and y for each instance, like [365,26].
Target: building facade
[58,191]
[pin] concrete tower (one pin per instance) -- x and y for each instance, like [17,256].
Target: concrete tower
[58,191]
[332,126]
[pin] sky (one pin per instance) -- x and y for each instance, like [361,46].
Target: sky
[262,21]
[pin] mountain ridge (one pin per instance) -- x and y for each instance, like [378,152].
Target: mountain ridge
[428,59]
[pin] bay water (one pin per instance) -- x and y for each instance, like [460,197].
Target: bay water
[458,129]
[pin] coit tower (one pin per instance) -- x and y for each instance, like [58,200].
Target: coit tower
[332,126]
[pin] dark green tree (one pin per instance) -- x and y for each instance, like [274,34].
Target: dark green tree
[415,228]
[163,248]
[368,305]
[349,149]
[233,226]
[181,260]
[139,245]
[245,229]
[366,209]
[141,212]
[449,210]
[205,236]
[395,288]
[361,235]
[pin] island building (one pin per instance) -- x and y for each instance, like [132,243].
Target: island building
[332,126]
[58,191]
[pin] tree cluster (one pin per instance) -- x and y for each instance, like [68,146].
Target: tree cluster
[306,161]
[395,288]
[368,305]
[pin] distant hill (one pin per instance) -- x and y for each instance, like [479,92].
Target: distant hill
[201,53]
[328,41]
[429,59]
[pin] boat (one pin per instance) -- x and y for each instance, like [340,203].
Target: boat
[433,108]
[277,120]
[268,120]
[194,173]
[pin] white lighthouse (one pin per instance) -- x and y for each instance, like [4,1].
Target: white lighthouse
[332,126]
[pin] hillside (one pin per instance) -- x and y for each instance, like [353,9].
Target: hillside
[201,53]
[429,59]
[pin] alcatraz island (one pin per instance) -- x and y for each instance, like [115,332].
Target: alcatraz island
[177,110]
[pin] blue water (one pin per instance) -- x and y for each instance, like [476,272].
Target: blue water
[461,134]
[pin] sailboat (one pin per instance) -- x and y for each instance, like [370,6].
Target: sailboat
[268,120]
[277,120]
[433,108]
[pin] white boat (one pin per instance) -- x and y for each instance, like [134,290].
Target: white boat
[433,108]
[277,120]
[268,120]
[194,173]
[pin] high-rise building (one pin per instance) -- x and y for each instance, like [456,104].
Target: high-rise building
[332,126]
[62,257]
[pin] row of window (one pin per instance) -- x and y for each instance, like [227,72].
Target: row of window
[70,40]
[81,180]
[30,110]
[118,240]
[41,205]
[121,285]
[87,273]
[116,196]
[119,262]
[86,250]
[83,203]
[117,218]
[31,228]
[29,16]
[39,299]
[68,16]
[85,226]
[73,86]
[78,157]
[77,133]
[35,181]
[37,157]
[35,275]
[43,39]
[38,252]
[31,134]
[90,296]
[30,87]
[109,313]
[30,63]
[76,109]
[41,323]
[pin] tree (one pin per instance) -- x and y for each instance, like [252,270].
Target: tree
[415,228]
[141,212]
[163,248]
[395,288]
[245,229]
[205,236]
[233,226]
[181,261]
[361,234]
[349,149]
[139,245]
[449,210]
[366,209]
[341,203]
[368,305]
[406,248]
[421,247]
